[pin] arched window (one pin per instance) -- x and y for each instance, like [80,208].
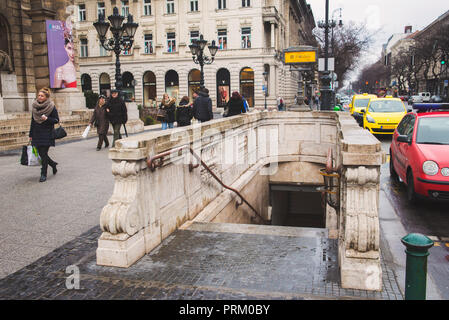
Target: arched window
[5,38]
[86,82]
[149,89]
[247,85]
[172,84]
[128,86]
[105,84]
[194,81]
[223,87]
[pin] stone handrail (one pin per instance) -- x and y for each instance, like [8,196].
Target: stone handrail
[146,207]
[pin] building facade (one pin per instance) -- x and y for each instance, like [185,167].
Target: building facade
[251,36]
[23,43]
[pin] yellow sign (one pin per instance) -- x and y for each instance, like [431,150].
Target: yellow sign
[300,57]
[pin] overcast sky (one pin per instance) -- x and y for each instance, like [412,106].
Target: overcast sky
[390,16]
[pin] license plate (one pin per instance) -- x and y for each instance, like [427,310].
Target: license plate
[387,127]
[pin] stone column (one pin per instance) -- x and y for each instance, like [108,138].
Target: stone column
[273,35]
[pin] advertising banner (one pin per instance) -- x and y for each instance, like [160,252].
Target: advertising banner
[61,54]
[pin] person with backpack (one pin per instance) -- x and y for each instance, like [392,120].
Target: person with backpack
[184,113]
[202,107]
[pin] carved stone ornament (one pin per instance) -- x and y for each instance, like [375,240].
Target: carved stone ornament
[5,62]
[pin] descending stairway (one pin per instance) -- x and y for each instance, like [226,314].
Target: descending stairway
[14,128]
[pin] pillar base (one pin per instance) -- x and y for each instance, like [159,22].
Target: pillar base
[360,274]
[69,99]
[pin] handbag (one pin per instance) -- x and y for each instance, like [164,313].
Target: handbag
[59,132]
[161,114]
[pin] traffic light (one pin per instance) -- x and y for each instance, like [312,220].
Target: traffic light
[443,59]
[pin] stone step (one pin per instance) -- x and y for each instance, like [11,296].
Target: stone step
[256,229]
[27,121]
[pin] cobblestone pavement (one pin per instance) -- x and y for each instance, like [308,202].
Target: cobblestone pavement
[197,265]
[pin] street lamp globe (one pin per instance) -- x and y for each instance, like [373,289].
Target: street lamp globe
[213,49]
[130,27]
[116,19]
[102,27]
[194,48]
[201,43]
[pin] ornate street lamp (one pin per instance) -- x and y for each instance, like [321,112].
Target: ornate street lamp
[197,49]
[265,76]
[122,40]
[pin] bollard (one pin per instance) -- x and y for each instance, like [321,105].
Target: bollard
[417,246]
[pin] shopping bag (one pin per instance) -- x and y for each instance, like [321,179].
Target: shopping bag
[24,157]
[86,132]
[33,158]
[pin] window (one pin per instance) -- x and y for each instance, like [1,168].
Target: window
[246,38]
[82,12]
[171,42]
[84,50]
[221,4]
[148,43]
[170,6]
[246,3]
[193,5]
[101,11]
[222,39]
[103,51]
[125,8]
[194,35]
[147,7]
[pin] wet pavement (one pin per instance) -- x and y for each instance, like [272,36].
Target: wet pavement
[196,265]
[427,217]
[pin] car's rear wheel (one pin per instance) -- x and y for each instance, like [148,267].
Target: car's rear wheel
[411,194]
[393,175]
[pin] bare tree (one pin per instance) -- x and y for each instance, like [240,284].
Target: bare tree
[349,43]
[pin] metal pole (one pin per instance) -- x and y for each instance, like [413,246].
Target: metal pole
[326,91]
[417,246]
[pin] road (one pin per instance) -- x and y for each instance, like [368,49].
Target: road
[427,217]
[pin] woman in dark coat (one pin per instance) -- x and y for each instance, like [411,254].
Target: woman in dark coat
[100,120]
[43,120]
[117,114]
[169,106]
[184,112]
[235,105]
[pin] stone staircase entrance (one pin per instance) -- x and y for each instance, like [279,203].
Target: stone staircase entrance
[14,127]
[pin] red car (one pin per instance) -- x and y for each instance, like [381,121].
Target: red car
[419,152]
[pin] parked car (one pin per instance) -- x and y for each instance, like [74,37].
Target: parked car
[415,99]
[383,115]
[425,96]
[419,154]
[436,99]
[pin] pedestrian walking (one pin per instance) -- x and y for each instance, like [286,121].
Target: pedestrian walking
[117,114]
[43,120]
[235,105]
[202,107]
[169,106]
[100,121]
[184,112]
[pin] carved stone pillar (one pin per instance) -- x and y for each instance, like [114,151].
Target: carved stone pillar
[359,233]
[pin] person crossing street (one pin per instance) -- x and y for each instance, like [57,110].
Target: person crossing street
[117,114]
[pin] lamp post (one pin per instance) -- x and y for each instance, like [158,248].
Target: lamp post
[326,91]
[265,76]
[333,25]
[197,49]
[123,38]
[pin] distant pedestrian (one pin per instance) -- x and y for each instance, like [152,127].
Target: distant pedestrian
[235,105]
[281,104]
[184,112]
[169,106]
[117,114]
[245,103]
[43,120]
[202,107]
[100,121]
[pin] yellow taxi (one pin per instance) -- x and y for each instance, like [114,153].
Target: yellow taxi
[359,102]
[383,115]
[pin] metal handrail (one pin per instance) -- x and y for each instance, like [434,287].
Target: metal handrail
[152,164]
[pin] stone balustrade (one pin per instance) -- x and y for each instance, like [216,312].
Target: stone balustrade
[247,152]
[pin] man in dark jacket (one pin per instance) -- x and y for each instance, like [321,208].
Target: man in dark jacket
[202,107]
[117,114]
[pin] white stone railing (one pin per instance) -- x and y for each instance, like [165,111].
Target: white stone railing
[146,207]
